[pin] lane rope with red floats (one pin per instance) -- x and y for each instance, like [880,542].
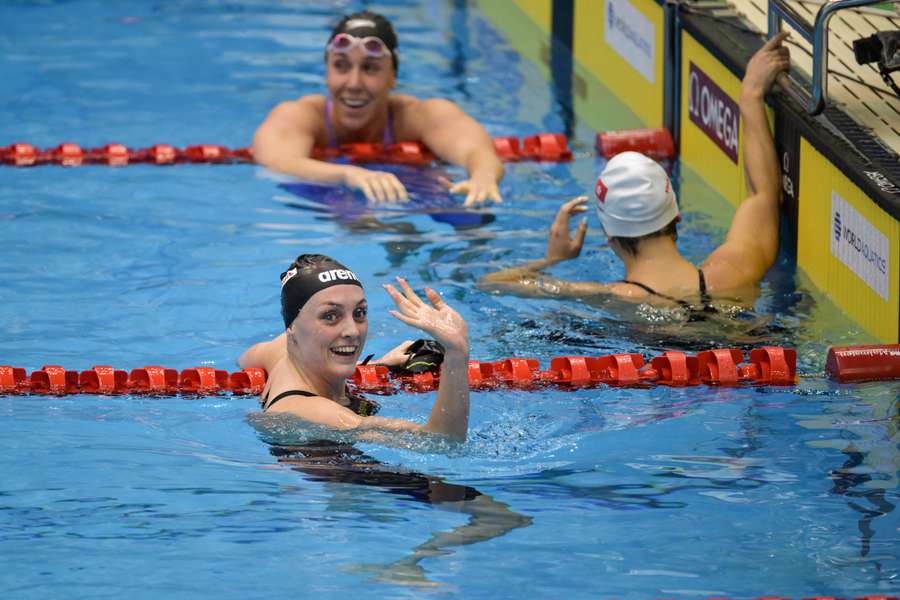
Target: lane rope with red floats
[543,147]
[768,365]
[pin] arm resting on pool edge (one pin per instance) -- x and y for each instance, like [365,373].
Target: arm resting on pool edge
[284,143]
[751,245]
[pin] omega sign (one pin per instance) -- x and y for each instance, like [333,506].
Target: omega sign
[713,111]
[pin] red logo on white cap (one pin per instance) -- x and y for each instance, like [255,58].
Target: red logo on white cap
[600,189]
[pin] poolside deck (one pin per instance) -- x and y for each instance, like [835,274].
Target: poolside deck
[857,89]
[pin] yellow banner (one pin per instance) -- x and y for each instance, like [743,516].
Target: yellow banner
[848,246]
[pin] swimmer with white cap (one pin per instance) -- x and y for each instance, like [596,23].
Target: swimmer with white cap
[362,59]
[326,322]
[639,214]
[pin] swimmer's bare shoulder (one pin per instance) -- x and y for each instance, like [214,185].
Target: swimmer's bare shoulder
[300,121]
[324,411]
[409,120]
[416,117]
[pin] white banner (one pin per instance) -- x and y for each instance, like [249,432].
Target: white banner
[632,35]
[861,247]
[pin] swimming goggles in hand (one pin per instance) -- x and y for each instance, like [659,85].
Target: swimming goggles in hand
[372,46]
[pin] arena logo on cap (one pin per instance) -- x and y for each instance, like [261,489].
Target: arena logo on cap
[714,112]
[335,274]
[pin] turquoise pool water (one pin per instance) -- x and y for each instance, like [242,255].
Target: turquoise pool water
[626,493]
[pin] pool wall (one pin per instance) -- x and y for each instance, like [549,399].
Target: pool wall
[665,67]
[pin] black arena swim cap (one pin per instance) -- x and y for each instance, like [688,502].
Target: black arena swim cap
[366,23]
[309,274]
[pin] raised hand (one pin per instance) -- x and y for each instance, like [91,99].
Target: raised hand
[436,318]
[561,246]
[380,187]
[765,65]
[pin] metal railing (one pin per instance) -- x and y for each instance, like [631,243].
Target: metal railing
[816,34]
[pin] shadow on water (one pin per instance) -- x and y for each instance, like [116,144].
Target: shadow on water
[341,463]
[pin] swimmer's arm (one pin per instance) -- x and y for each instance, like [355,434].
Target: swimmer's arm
[284,143]
[285,140]
[751,244]
[450,412]
[458,138]
[264,354]
[527,280]
[325,412]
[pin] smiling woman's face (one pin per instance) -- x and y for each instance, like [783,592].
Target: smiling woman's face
[359,86]
[330,331]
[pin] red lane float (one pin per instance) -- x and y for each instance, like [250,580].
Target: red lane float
[676,369]
[863,363]
[655,143]
[548,147]
[507,148]
[103,379]
[545,147]
[768,365]
[13,380]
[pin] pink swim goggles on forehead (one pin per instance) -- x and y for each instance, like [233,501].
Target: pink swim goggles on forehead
[372,46]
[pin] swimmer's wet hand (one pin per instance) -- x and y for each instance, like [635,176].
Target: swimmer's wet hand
[396,356]
[765,65]
[477,192]
[561,246]
[437,319]
[380,187]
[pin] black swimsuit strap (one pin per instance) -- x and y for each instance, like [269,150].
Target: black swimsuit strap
[358,404]
[653,292]
[704,295]
[267,405]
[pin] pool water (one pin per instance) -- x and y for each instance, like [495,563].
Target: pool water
[626,493]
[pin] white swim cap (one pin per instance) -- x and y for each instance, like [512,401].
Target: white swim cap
[634,196]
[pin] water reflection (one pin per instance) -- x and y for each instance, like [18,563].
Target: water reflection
[343,464]
[868,477]
[620,325]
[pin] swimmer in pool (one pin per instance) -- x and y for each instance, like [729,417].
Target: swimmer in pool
[639,215]
[325,318]
[361,59]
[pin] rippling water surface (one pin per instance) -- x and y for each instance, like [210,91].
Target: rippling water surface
[591,493]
